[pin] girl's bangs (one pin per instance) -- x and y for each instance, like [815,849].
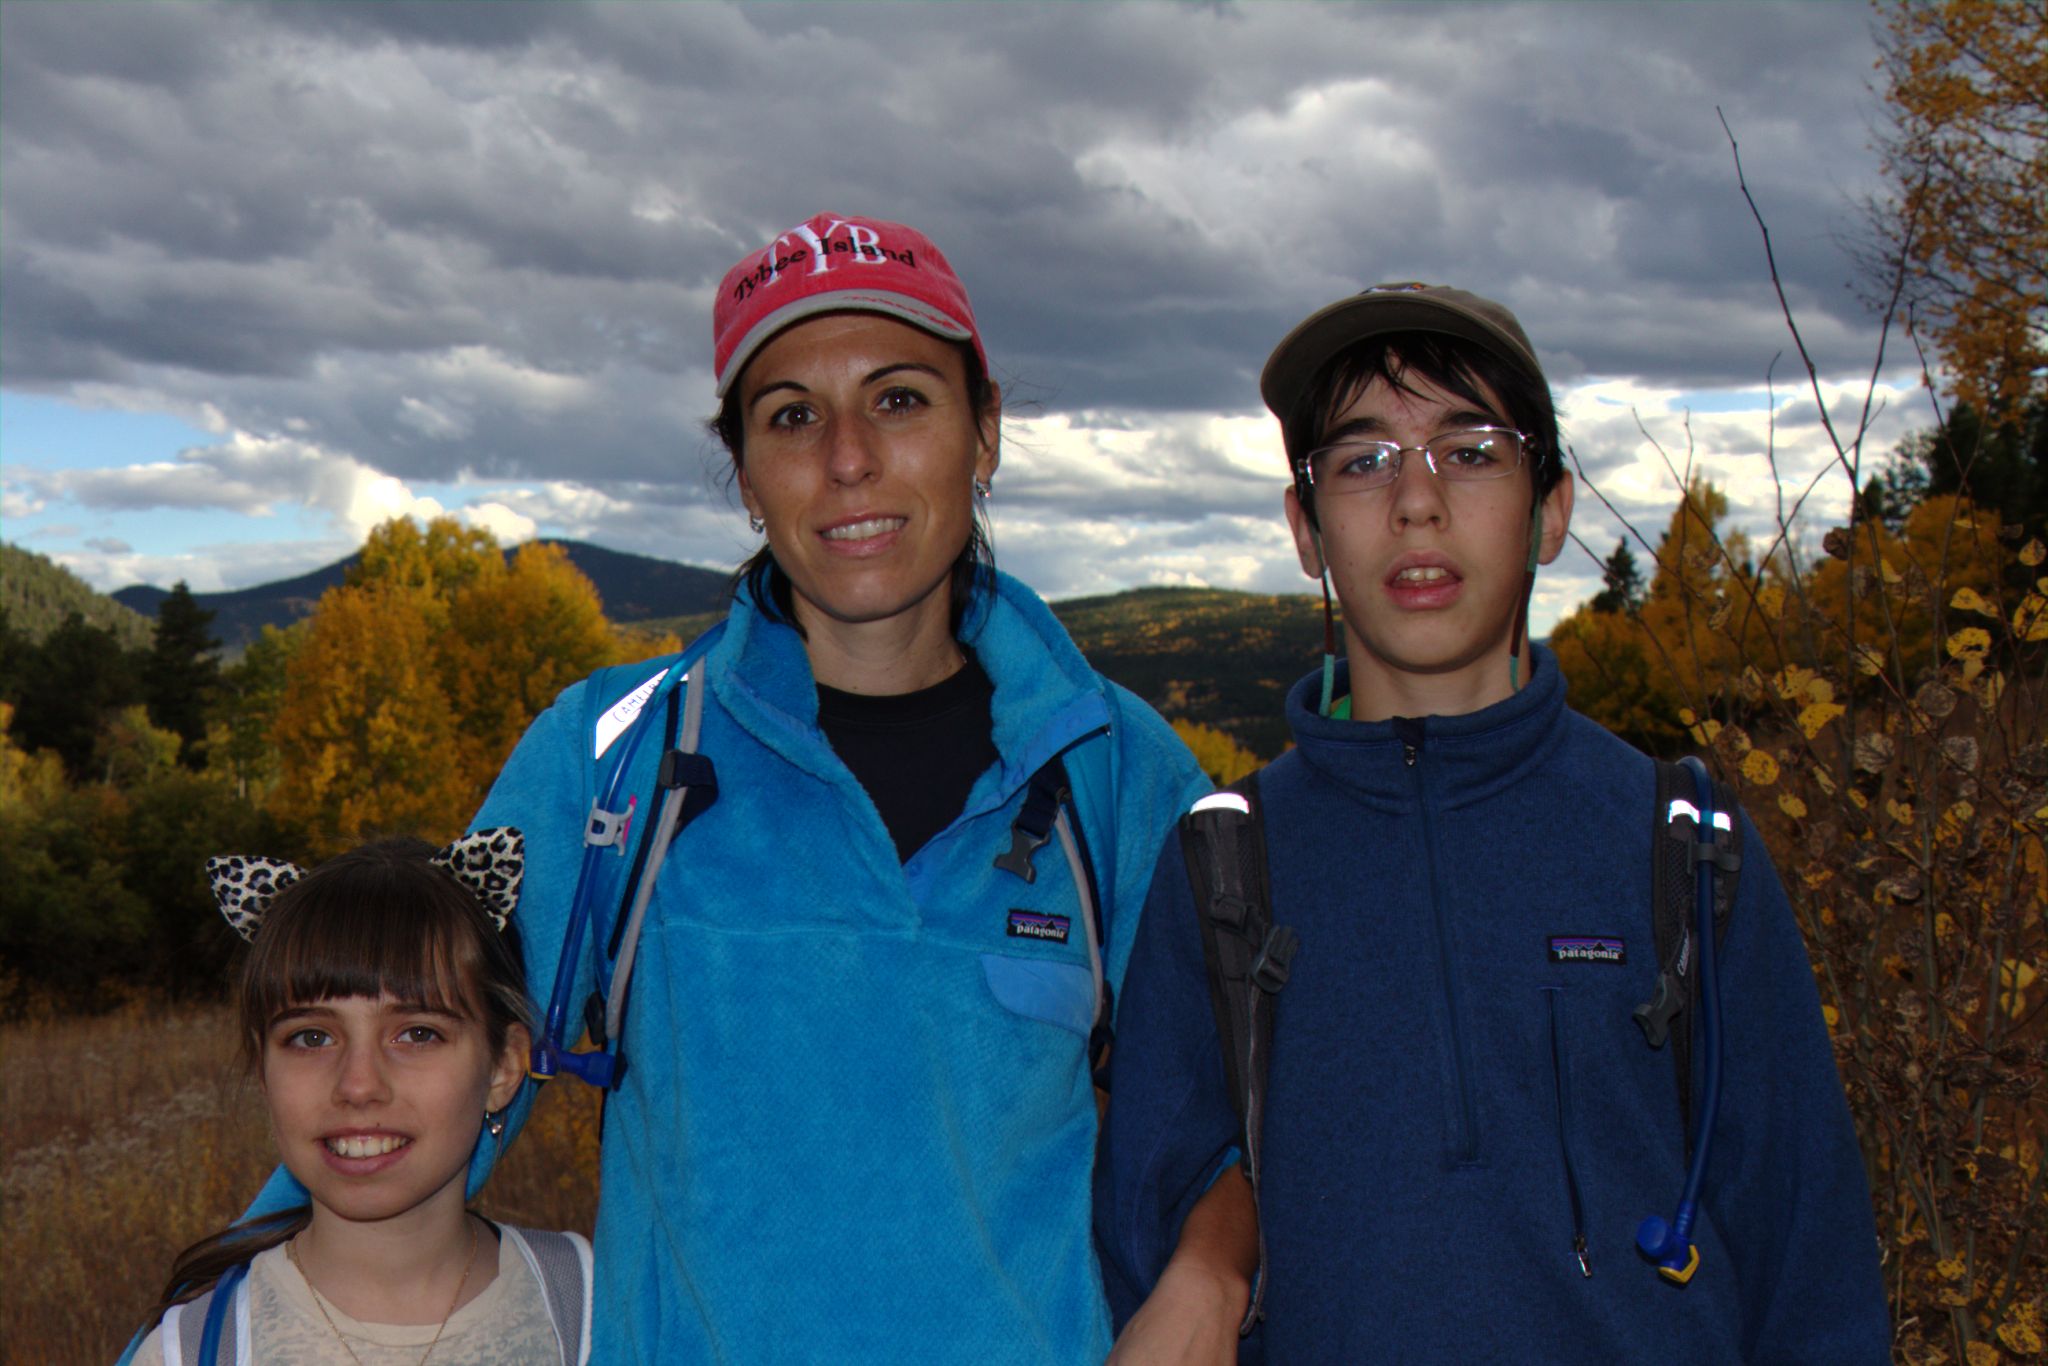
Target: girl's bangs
[369,947]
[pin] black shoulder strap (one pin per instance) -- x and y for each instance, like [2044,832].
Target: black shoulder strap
[1673,900]
[1247,958]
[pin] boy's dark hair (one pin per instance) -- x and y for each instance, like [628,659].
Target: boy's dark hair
[765,580]
[378,919]
[1454,365]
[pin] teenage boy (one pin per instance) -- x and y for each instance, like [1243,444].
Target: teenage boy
[1464,1124]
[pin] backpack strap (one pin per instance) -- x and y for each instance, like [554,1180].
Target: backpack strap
[210,1329]
[561,1266]
[1047,797]
[1247,958]
[1675,847]
[687,785]
[179,1333]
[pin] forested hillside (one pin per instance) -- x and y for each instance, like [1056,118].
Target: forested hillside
[37,594]
[1210,656]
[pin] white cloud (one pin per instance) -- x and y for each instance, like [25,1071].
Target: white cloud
[1768,452]
[377,254]
[205,568]
[511,528]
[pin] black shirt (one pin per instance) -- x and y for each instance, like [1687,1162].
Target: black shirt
[916,753]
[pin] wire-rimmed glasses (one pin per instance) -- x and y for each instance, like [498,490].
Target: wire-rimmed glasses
[1468,455]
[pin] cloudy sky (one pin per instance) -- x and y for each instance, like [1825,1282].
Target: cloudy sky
[269,275]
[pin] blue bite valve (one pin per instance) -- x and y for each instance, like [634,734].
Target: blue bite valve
[597,1068]
[1669,1247]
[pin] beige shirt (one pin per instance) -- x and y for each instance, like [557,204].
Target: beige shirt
[507,1325]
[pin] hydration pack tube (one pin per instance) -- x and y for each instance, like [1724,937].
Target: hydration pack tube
[1699,836]
[607,828]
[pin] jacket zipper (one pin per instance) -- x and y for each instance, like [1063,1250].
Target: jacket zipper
[1466,1150]
[1564,1140]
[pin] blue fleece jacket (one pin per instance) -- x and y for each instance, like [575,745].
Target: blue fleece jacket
[1451,1107]
[856,1122]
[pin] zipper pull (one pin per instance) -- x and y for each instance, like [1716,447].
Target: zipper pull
[1579,1251]
[1408,730]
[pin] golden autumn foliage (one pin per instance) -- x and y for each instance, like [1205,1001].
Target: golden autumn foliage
[366,736]
[1944,540]
[1637,673]
[1222,758]
[415,679]
[1884,713]
[1967,85]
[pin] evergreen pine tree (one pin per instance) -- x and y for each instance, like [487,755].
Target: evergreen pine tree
[14,652]
[1624,580]
[2000,464]
[180,673]
[70,684]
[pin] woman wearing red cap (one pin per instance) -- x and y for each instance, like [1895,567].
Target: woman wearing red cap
[856,1120]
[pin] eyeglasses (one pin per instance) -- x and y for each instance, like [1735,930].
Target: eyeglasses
[1469,455]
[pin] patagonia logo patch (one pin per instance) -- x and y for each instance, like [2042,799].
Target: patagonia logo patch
[1587,948]
[1032,925]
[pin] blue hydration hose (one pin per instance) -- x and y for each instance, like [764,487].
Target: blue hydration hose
[606,829]
[1670,1245]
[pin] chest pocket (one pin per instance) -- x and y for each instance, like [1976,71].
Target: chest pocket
[1056,990]
[1060,994]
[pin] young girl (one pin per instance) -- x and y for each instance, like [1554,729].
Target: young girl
[382,1005]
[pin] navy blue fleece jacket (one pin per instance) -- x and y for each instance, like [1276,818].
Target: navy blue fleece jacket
[1452,1107]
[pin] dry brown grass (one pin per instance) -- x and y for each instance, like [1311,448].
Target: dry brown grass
[129,1135]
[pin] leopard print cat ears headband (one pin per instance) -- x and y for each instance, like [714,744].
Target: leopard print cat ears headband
[490,863]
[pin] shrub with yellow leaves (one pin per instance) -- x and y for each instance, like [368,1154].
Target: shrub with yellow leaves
[1881,710]
[1900,781]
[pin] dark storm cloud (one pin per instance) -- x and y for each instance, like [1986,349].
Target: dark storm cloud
[459,236]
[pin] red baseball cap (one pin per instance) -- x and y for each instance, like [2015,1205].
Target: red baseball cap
[835,264]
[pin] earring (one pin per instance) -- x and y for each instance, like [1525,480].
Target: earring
[494,1121]
[982,489]
[756,524]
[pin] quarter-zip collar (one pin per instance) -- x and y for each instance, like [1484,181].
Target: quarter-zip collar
[1469,756]
[1046,696]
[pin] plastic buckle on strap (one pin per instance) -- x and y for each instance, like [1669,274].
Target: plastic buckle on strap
[608,829]
[680,768]
[1276,957]
[1023,844]
[1230,910]
[1722,857]
[1656,1014]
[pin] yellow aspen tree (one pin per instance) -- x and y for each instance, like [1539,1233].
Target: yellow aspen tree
[1221,757]
[515,640]
[1967,157]
[367,740]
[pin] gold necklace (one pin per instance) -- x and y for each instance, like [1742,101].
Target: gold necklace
[291,1253]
